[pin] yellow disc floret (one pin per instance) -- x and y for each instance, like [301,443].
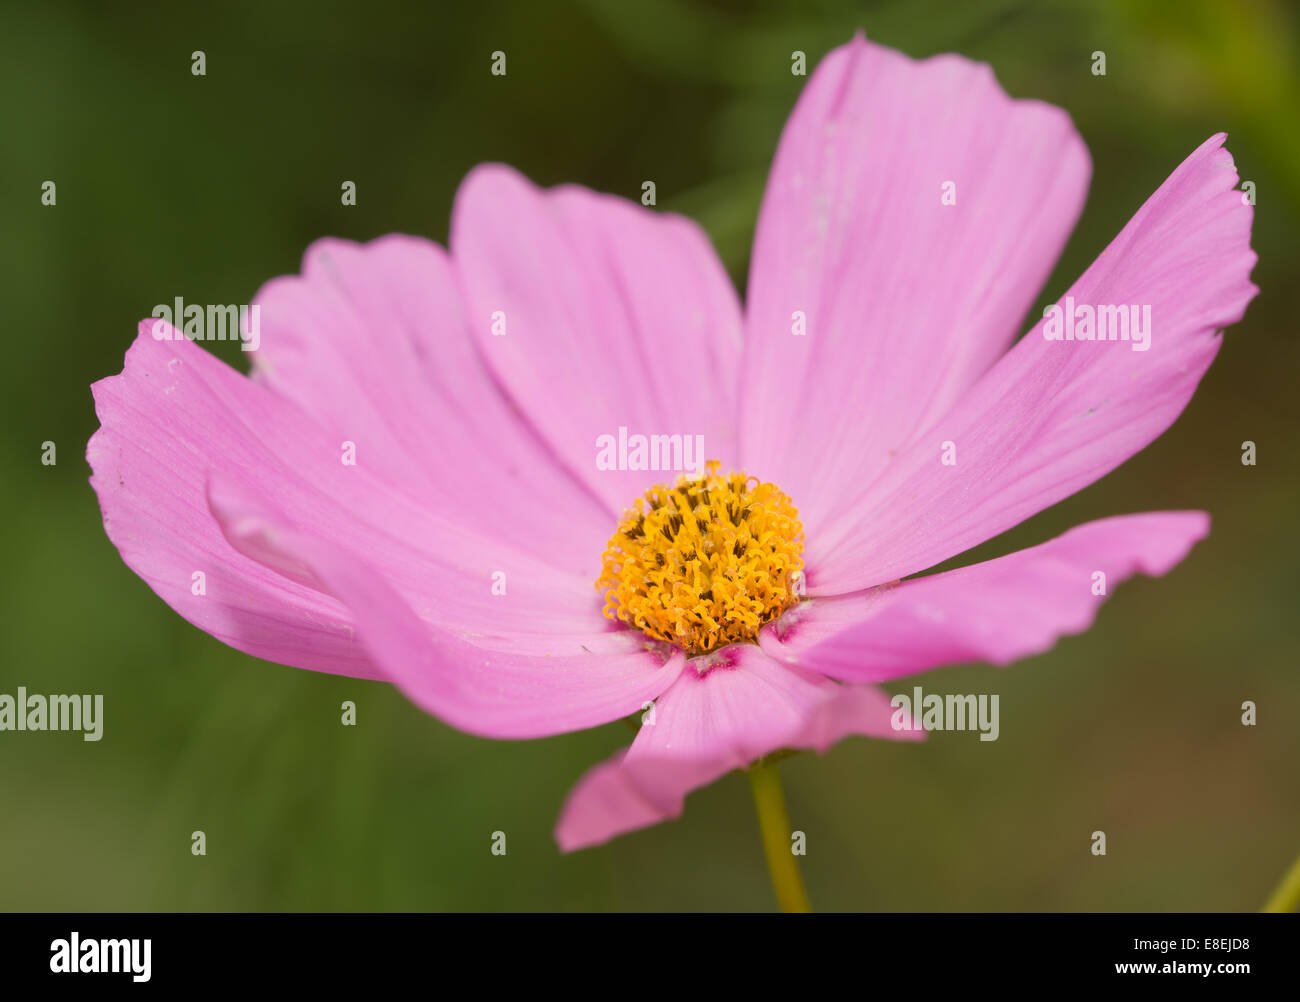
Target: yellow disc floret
[705,563]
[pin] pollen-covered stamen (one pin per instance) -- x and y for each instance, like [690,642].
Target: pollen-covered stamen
[705,563]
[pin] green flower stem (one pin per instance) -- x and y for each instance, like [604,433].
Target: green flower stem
[1286,898]
[774,826]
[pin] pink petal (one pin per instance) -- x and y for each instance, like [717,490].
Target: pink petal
[998,611]
[1052,417]
[483,691]
[854,709]
[158,421]
[616,316]
[373,341]
[177,414]
[908,301]
[744,707]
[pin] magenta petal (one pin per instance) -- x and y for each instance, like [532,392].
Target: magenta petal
[997,611]
[1053,416]
[907,300]
[518,694]
[614,316]
[744,707]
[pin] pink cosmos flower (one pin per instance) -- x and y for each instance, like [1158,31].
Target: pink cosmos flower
[912,214]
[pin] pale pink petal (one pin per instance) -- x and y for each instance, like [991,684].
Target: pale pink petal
[177,414]
[373,342]
[854,709]
[1053,416]
[158,426]
[603,804]
[997,611]
[907,300]
[614,316]
[743,707]
[488,692]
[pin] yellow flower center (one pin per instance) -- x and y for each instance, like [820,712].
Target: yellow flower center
[705,563]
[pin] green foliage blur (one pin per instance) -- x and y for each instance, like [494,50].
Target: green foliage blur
[205,187]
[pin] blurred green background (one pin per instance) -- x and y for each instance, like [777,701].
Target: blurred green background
[205,187]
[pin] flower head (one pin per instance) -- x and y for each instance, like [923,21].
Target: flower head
[406,489]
